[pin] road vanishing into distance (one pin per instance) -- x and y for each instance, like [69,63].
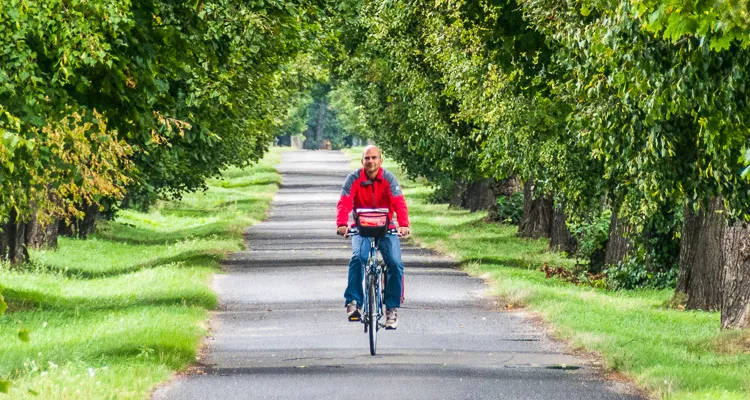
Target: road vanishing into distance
[281,331]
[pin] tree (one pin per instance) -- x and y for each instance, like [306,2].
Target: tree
[190,88]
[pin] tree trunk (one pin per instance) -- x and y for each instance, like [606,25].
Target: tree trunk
[537,214]
[87,225]
[50,234]
[561,238]
[4,241]
[34,233]
[478,196]
[504,187]
[701,257]
[618,245]
[66,229]
[80,228]
[735,310]
[321,123]
[458,193]
[15,240]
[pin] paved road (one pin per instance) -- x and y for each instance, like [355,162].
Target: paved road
[281,330]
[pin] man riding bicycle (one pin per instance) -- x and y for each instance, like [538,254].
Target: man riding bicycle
[373,187]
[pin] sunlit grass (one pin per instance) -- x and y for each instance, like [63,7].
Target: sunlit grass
[112,316]
[674,354]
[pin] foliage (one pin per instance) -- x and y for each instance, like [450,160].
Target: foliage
[323,128]
[443,191]
[649,110]
[115,315]
[591,236]
[349,113]
[51,171]
[720,23]
[191,87]
[295,120]
[638,270]
[631,330]
[510,208]
[636,106]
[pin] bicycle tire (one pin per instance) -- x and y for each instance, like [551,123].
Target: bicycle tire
[372,313]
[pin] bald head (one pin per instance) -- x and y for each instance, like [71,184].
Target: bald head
[370,148]
[371,161]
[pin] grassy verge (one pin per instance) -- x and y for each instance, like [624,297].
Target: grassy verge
[112,316]
[674,354]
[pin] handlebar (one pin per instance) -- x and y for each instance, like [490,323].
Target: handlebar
[354,231]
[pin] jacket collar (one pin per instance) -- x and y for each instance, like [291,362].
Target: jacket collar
[363,174]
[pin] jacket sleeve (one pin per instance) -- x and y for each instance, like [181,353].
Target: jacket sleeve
[346,201]
[398,202]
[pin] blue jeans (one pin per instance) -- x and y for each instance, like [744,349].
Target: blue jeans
[390,249]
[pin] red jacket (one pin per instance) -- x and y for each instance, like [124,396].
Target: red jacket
[359,192]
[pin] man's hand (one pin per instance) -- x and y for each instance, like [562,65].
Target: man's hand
[341,231]
[404,231]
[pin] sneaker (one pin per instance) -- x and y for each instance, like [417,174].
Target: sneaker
[352,311]
[391,318]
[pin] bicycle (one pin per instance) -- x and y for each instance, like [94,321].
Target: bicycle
[375,281]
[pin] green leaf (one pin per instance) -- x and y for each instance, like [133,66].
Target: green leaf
[23,335]
[4,386]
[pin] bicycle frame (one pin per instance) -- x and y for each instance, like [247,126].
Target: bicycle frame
[373,270]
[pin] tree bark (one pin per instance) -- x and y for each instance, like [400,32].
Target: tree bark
[34,233]
[50,234]
[321,123]
[4,241]
[503,187]
[478,195]
[618,245]
[701,257]
[458,193]
[561,238]
[80,228]
[87,225]
[66,229]
[537,214]
[14,242]
[735,310]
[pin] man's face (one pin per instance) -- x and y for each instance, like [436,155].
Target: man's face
[371,160]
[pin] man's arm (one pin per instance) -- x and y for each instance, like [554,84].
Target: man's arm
[398,202]
[346,202]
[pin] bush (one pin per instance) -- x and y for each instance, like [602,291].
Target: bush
[592,238]
[653,261]
[442,193]
[640,270]
[510,208]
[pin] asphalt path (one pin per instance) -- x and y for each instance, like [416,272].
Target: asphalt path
[281,330]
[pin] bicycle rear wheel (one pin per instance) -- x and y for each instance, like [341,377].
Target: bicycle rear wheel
[372,313]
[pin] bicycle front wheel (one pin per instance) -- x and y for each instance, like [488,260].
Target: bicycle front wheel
[372,313]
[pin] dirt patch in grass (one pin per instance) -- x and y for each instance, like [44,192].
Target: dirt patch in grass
[732,342]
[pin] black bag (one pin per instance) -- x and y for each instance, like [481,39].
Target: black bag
[372,222]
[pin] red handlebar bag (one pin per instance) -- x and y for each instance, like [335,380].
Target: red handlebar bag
[372,223]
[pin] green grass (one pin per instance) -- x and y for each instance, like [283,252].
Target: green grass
[112,316]
[673,354]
